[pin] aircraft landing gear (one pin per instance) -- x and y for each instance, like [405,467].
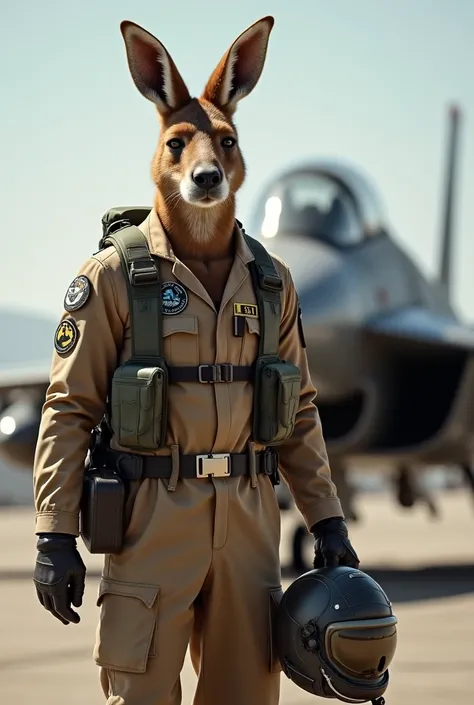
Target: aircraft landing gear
[468,472]
[410,490]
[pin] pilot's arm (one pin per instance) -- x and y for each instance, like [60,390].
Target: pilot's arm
[303,457]
[86,348]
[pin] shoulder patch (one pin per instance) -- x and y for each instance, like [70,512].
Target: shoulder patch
[65,337]
[174,298]
[77,294]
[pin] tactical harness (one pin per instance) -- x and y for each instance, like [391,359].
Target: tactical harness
[137,408]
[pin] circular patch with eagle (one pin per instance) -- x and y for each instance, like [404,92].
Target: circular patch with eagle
[77,294]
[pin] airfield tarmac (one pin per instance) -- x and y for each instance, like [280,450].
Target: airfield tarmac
[426,567]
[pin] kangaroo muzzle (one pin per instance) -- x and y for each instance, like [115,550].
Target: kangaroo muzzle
[204,185]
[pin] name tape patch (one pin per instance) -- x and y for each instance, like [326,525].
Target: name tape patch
[247,310]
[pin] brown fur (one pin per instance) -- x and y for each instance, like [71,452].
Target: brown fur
[201,237]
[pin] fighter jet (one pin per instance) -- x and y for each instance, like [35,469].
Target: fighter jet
[391,360]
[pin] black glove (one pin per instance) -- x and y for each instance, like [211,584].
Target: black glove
[332,546]
[59,576]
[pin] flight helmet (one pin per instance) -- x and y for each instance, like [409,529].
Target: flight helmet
[336,635]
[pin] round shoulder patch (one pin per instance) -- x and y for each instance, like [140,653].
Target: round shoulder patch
[66,336]
[77,293]
[174,298]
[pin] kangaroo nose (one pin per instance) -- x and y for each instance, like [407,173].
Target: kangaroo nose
[207,177]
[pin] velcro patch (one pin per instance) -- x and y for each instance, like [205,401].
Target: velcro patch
[77,294]
[66,336]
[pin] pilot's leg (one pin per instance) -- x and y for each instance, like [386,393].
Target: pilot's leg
[148,591]
[230,646]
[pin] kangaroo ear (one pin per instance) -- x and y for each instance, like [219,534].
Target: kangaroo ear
[239,70]
[153,70]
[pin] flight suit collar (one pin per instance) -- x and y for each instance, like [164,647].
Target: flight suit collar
[157,239]
[161,246]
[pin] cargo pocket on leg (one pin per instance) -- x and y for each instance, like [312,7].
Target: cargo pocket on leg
[125,637]
[274,600]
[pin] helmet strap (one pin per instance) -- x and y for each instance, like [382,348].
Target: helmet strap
[338,694]
[377,701]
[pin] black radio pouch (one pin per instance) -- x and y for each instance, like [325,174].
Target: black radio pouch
[102,511]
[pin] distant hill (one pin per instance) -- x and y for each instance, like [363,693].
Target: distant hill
[25,338]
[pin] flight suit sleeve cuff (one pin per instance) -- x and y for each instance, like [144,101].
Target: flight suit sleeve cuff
[322,509]
[57,523]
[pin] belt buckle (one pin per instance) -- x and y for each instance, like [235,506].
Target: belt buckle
[209,465]
[205,381]
[222,372]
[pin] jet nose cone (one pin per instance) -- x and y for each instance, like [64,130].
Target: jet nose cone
[308,261]
[327,293]
[319,274]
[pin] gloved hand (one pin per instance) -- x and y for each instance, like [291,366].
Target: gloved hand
[59,576]
[332,546]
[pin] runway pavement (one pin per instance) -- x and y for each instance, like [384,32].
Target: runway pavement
[426,567]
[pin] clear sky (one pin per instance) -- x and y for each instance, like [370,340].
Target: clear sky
[365,80]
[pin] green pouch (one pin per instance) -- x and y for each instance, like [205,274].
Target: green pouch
[138,406]
[277,401]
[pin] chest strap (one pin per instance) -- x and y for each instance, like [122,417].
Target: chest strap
[211,374]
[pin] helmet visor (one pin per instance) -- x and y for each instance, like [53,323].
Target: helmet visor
[362,649]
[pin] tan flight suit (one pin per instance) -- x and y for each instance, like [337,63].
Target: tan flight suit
[199,563]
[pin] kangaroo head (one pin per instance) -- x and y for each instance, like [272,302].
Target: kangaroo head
[198,166]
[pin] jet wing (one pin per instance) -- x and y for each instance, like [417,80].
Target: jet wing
[419,325]
[30,377]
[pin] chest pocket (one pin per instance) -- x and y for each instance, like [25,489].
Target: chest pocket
[250,341]
[181,340]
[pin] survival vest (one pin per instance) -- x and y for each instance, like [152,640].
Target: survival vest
[139,399]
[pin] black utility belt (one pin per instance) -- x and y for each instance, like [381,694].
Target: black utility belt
[102,515]
[136,467]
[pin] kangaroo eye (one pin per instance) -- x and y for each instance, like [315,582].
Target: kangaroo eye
[175,144]
[228,142]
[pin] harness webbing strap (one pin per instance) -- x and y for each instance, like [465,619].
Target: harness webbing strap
[268,286]
[144,289]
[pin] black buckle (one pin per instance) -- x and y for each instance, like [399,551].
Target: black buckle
[219,373]
[270,466]
[129,466]
[143,272]
[270,281]
[117,225]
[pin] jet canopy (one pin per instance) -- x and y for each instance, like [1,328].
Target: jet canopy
[326,201]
